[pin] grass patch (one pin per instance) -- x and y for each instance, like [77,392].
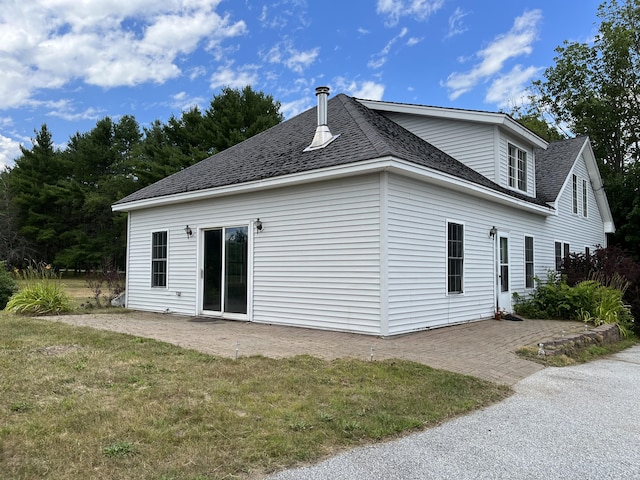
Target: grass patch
[82,403]
[578,355]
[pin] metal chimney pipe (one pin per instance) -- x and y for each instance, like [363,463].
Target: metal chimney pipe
[322,93]
[323,136]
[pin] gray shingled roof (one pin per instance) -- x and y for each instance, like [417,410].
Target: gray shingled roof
[364,134]
[554,164]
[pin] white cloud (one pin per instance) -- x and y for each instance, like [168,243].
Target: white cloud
[379,59]
[295,107]
[456,27]
[72,116]
[286,54]
[510,89]
[48,43]
[9,151]
[368,89]
[184,102]
[393,10]
[279,14]
[514,43]
[197,72]
[225,76]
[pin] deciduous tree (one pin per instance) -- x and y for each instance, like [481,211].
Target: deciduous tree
[594,90]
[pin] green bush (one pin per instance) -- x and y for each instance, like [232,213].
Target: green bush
[611,266]
[7,286]
[589,301]
[45,297]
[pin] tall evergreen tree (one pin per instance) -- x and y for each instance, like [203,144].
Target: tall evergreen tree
[38,194]
[236,115]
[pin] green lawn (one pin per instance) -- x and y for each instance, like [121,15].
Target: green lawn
[82,403]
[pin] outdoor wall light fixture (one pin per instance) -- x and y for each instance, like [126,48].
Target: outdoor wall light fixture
[188,231]
[493,231]
[258,225]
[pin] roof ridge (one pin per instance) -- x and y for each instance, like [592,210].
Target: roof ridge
[353,108]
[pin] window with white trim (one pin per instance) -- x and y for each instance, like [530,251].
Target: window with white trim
[517,168]
[528,262]
[159,259]
[455,257]
[584,198]
[558,255]
[574,190]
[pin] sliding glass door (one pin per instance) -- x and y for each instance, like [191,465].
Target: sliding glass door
[225,270]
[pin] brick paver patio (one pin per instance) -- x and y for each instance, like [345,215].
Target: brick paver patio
[484,349]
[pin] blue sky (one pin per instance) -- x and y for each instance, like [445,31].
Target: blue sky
[68,63]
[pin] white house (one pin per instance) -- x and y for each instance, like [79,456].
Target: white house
[364,216]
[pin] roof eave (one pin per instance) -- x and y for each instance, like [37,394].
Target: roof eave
[387,163]
[598,186]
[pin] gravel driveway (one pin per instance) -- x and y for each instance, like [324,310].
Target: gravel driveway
[577,422]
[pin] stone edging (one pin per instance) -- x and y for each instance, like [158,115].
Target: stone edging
[601,335]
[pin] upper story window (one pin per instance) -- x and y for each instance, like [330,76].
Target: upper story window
[584,198]
[574,192]
[517,168]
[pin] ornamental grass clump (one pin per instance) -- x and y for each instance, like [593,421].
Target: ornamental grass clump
[40,293]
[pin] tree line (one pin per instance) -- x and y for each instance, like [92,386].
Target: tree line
[55,204]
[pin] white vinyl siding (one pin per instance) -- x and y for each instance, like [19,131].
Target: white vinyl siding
[315,263]
[365,254]
[470,143]
[417,251]
[576,229]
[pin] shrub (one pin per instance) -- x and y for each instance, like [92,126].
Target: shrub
[7,286]
[114,284]
[611,266]
[589,301]
[554,299]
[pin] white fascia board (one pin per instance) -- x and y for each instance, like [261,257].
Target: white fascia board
[598,186]
[258,185]
[501,119]
[390,164]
